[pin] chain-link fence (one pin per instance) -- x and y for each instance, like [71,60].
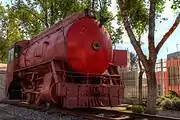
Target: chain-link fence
[131,82]
[167,77]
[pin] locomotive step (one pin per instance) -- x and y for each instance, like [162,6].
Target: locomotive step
[28,73]
[39,78]
[31,91]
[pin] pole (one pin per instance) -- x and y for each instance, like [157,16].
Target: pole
[177,47]
[162,78]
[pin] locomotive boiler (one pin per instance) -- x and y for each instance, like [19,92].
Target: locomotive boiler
[63,65]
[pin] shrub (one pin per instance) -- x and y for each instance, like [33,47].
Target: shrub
[137,108]
[176,103]
[159,100]
[172,94]
[167,104]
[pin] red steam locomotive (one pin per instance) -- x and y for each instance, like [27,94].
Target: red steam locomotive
[64,65]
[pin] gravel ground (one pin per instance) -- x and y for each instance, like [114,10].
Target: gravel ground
[9,112]
[3,114]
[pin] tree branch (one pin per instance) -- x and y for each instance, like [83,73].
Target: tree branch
[151,46]
[170,31]
[130,33]
[3,56]
[52,13]
[43,5]
[31,12]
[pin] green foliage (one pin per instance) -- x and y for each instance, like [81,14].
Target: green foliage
[170,104]
[137,108]
[138,16]
[115,33]
[159,100]
[167,104]
[176,5]
[172,94]
[36,15]
[176,103]
[9,31]
[52,11]
[160,5]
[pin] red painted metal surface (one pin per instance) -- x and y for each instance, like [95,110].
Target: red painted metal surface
[121,58]
[79,40]
[85,95]
[80,52]
[171,74]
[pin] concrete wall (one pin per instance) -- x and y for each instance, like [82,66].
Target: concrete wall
[132,92]
[2,79]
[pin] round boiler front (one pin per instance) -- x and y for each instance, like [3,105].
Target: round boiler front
[89,47]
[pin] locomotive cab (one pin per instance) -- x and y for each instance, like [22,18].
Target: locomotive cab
[12,87]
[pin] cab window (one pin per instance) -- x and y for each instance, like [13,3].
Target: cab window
[11,54]
[17,51]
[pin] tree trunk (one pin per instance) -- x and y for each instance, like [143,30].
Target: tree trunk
[140,82]
[140,86]
[152,90]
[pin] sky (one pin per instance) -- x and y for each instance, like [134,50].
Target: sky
[170,46]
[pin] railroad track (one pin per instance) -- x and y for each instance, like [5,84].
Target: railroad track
[90,113]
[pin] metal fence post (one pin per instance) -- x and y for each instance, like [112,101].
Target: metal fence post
[162,78]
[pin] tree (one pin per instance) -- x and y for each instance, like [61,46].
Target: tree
[9,31]
[155,9]
[103,14]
